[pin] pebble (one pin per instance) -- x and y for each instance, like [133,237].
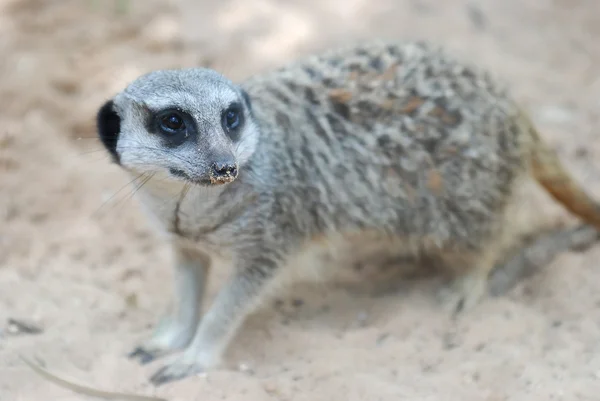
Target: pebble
[270,388]
[245,368]
[21,327]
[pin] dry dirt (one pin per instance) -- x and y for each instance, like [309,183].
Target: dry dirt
[87,270]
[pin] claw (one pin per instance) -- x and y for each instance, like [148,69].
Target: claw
[463,294]
[161,377]
[142,356]
[174,372]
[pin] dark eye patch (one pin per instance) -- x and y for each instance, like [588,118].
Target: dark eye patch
[174,126]
[232,120]
[172,123]
[247,100]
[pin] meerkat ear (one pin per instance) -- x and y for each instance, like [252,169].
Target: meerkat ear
[247,99]
[108,124]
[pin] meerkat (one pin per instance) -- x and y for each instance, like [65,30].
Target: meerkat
[395,142]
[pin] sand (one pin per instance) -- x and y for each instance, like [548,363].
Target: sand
[80,262]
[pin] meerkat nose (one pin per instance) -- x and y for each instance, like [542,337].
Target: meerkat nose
[224,170]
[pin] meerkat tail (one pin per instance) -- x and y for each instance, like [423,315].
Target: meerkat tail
[84,390]
[539,251]
[551,174]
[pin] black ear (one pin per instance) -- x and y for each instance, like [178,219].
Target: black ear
[108,124]
[247,100]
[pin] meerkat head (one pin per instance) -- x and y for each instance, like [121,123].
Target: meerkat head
[193,125]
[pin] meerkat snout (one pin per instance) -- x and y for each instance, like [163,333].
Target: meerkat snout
[223,172]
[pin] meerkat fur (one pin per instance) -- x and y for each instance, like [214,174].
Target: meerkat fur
[380,141]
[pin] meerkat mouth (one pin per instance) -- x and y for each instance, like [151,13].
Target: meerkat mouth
[213,180]
[223,179]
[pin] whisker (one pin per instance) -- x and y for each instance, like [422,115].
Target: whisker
[89,152]
[136,189]
[184,192]
[116,193]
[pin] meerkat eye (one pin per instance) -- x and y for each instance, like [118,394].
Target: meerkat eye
[171,123]
[232,118]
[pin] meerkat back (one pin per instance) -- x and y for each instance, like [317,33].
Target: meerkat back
[395,137]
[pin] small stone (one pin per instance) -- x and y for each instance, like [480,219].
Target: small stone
[244,368]
[270,388]
[21,327]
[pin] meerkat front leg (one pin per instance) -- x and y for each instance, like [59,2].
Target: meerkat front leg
[176,329]
[233,303]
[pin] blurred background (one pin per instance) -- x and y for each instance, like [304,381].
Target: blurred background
[82,276]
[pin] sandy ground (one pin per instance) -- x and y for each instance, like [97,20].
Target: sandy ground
[87,270]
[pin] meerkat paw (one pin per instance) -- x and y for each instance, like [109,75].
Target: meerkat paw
[180,368]
[168,337]
[149,352]
[463,293]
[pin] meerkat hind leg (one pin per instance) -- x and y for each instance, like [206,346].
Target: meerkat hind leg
[470,282]
[175,331]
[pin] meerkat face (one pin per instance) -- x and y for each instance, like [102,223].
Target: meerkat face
[193,125]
